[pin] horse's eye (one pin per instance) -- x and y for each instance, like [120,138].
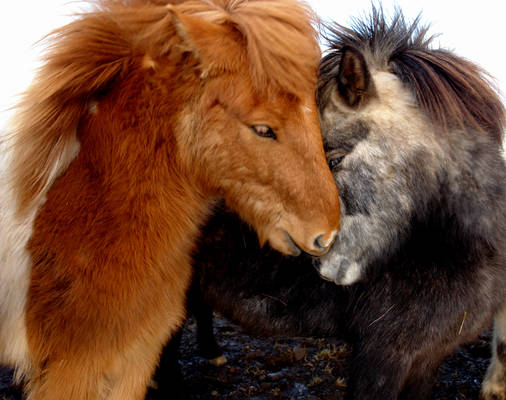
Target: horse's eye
[335,161]
[263,131]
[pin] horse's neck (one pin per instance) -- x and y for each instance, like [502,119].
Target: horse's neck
[139,182]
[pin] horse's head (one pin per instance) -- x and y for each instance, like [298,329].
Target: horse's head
[220,93]
[385,98]
[361,116]
[251,133]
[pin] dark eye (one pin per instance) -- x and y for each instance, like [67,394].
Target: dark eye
[335,161]
[263,131]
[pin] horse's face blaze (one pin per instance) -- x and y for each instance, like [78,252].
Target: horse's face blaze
[277,178]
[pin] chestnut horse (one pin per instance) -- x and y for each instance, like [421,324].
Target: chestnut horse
[143,113]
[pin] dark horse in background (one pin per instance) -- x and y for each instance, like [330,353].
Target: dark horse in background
[413,137]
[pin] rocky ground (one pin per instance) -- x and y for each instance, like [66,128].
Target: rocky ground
[294,368]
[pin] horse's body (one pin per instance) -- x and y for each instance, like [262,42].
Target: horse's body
[413,137]
[442,236]
[143,114]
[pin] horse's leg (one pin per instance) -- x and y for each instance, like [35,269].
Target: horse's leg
[421,380]
[64,379]
[385,369]
[168,380]
[118,377]
[379,367]
[198,307]
[101,363]
[494,385]
[374,374]
[134,371]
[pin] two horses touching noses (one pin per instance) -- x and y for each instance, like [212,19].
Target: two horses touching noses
[145,112]
[413,135]
[141,116]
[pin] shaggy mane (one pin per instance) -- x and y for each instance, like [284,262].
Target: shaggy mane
[84,57]
[278,35]
[452,91]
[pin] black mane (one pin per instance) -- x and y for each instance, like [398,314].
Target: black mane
[452,91]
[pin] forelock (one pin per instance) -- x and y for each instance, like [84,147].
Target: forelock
[280,38]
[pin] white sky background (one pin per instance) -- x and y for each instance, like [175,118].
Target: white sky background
[474,30]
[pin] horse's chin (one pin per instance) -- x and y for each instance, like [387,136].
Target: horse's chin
[281,241]
[338,269]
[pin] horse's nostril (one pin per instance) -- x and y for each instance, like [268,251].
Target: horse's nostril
[318,242]
[323,242]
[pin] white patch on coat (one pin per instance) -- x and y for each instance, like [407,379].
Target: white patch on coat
[494,384]
[340,270]
[15,266]
[15,260]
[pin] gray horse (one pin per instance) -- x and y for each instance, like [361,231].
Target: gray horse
[413,137]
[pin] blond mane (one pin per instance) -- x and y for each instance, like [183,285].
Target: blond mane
[84,58]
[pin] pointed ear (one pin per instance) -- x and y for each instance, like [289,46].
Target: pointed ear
[183,27]
[353,79]
[212,45]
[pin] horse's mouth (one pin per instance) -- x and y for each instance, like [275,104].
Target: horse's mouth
[296,251]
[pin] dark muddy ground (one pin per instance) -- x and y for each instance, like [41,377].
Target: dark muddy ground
[294,368]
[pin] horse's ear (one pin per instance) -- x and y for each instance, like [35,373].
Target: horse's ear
[353,79]
[183,27]
[197,36]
